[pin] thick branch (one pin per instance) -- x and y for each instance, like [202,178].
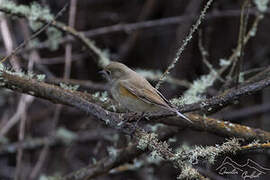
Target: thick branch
[87,104]
[223,128]
[229,96]
[59,95]
[124,155]
[85,84]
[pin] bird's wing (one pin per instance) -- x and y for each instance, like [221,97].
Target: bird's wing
[146,93]
[164,99]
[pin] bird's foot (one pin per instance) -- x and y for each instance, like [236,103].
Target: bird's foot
[131,118]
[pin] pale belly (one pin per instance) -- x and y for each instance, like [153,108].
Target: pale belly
[133,104]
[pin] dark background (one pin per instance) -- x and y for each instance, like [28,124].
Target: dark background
[151,48]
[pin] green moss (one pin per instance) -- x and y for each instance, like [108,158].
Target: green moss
[3,140]
[54,38]
[69,87]
[41,77]
[188,173]
[261,5]
[145,140]
[2,67]
[112,151]
[198,87]
[65,135]
[154,158]
[224,62]
[209,153]
[32,12]
[104,98]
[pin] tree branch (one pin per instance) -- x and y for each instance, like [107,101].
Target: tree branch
[86,103]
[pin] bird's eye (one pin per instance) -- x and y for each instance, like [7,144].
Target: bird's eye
[108,72]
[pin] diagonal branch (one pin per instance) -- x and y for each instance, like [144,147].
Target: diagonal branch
[229,96]
[86,103]
[96,52]
[124,155]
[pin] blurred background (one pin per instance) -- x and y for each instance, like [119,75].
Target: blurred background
[145,35]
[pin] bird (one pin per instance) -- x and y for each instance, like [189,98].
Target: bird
[134,92]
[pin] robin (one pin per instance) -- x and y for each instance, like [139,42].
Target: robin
[134,92]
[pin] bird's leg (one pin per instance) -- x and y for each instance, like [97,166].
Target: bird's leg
[136,117]
[128,117]
[139,118]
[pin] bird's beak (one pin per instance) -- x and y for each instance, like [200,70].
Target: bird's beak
[105,74]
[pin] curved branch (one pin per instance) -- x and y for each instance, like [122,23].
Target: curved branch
[86,103]
[229,96]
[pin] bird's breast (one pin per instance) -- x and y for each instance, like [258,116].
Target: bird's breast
[130,101]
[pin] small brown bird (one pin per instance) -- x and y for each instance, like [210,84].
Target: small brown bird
[134,92]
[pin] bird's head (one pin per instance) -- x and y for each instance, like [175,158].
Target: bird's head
[115,71]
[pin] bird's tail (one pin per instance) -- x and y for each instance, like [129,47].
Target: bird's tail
[182,115]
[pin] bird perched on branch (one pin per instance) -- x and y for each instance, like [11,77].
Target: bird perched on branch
[134,92]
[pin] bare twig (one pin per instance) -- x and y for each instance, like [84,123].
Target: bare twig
[131,40]
[204,54]
[249,35]
[42,157]
[103,60]
[248,112]
[16,117]
[21,137]
[236,67]
[54,140]
[8,40]
[161,22]
[151,24]
[185,43]
[68,50]
[261,75]
[33,36]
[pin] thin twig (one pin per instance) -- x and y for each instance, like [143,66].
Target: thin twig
[42,157]
[185,43]
[204,54]
[250,34]
[161,22]
[68,50]
[21,137]
[124,155]
[33,36]
[236,67]
[8,41]
[132,39]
